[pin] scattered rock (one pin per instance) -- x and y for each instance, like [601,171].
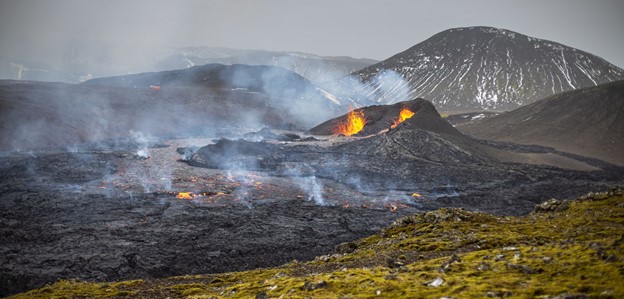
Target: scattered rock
[510,248]
[323,258]
[499,257]
[547,259]
[262,295]
[347,247]
[435,283]
[484,267]
[393,263]
[445,266]
[552,205]
[310,286]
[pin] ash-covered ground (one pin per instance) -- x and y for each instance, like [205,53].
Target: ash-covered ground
[113,214]
[154,208]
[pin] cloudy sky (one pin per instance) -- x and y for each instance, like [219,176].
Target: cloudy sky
[45,29]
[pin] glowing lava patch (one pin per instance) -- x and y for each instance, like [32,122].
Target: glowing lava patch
[186,195]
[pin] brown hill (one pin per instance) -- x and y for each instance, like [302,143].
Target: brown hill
[588,122]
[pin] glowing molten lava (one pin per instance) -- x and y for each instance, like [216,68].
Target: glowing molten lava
[355,123]
[403,115]
[185,195]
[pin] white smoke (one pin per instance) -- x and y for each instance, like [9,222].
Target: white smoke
[302,176]
[386,87]
[143,141]
[312,187]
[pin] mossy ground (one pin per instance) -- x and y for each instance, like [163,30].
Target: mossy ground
[575,251]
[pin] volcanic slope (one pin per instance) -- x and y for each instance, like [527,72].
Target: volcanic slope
[380,118]
[479,68]
[423,156]
[588,122]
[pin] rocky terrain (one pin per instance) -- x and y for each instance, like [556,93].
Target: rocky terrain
[443,253]
[478,68]
[161,207]
[588,122]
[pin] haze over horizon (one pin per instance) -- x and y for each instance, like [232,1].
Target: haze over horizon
[41,30]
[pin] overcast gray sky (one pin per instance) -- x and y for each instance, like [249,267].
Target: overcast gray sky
[364,28]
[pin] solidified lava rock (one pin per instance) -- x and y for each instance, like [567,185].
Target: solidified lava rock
[234,154]
[49,232]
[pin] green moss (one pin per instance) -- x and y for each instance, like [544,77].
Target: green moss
[575,251]
[77,289]
[188,288]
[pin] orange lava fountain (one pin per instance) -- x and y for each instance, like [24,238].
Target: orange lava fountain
[403,115]
[355,123]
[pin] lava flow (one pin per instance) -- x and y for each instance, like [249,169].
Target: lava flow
[403,115]
[354,124]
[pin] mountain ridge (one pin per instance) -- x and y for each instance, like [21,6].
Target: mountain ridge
[84,63]
[481,68]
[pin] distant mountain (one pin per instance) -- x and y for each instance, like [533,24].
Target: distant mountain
[313,67]
[86,62]
[479,68]
[288,89]
[588,122]
[203,100]
[285,89]
[49,114]
[35,71]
